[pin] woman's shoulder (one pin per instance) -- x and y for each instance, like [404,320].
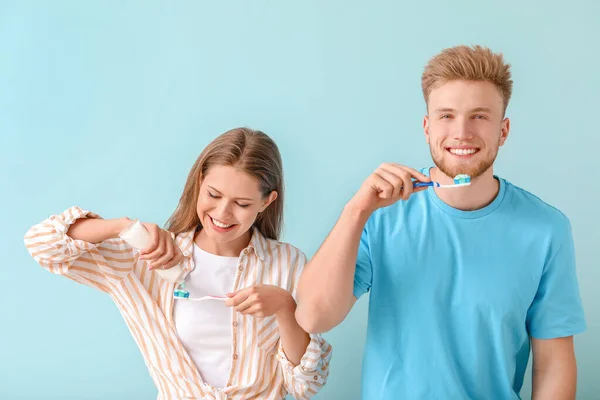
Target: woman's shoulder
[278,248]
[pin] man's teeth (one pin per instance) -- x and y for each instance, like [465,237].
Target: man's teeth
[220,224]
[462,152]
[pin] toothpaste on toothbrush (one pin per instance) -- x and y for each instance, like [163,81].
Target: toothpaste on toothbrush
[462,179]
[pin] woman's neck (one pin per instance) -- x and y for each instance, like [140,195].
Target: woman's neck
[231,248]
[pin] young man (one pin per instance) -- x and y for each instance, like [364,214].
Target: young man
[461,280]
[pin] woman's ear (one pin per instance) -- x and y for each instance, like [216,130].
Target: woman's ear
[268,200]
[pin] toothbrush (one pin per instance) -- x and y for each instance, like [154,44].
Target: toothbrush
[181,293]
[459,181]
[209,297]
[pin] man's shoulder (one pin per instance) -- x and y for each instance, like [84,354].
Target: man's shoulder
[534,209]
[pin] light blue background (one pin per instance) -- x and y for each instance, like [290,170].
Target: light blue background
[107,104]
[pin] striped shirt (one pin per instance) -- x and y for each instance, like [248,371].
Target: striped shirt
[259,368]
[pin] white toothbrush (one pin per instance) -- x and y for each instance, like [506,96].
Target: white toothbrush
[181,293]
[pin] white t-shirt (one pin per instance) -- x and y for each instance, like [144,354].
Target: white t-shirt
[205,327]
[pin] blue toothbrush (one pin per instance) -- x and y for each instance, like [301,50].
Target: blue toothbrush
[459,181]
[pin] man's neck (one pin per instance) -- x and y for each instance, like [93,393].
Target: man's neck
[482,191]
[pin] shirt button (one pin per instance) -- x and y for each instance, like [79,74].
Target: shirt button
[241,268]
[316,378]
[235,356]
[235,324]
[185,254]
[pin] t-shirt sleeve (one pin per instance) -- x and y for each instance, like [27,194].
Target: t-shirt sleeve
[556,310]
[364,269]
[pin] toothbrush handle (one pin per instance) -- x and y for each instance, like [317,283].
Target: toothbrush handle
[423,184]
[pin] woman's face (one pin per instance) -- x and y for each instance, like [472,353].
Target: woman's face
[229,203]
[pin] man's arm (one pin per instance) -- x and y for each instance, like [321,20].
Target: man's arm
[325,290]
[554,369]
[326,287]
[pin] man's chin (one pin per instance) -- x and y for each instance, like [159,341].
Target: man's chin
[472,170]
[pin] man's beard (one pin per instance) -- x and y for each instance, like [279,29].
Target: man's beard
[473,169]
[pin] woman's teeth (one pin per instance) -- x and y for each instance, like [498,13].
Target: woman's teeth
[220,224]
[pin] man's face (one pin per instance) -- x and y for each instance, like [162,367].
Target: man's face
[465,127]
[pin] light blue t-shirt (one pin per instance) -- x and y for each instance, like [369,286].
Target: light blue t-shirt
[455,295]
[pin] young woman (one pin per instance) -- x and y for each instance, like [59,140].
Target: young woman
[223,235]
